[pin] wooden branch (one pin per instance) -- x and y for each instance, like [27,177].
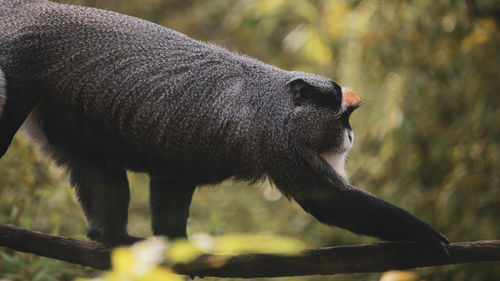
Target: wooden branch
[376,257]
[95,255]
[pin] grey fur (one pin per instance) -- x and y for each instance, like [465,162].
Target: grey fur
[107,92]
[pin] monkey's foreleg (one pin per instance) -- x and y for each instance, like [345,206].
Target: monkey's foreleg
[362,213]
[325,195]
[104,195]
[170,203]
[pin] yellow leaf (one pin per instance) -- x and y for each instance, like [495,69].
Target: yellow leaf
[182,251]
[122,260]
[160,274]
[396,275]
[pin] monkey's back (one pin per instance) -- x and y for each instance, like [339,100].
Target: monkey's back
[137,94]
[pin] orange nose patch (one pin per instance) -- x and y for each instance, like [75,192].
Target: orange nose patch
[349,98]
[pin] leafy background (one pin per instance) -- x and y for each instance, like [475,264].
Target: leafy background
[427,135]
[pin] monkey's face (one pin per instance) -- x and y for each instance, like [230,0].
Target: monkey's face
[319,119]
[336,155]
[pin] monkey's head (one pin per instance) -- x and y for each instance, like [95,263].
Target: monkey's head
[319,119]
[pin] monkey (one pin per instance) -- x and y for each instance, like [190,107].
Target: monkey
[104,93]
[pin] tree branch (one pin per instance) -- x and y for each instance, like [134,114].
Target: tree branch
[95,255]
[376,257]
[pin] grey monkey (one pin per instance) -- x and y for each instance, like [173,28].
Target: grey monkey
[104,93]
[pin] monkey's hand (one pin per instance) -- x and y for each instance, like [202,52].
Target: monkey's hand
[325,195]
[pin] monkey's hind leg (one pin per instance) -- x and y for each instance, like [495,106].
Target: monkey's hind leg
[170,203]
[104,195]
[15,106]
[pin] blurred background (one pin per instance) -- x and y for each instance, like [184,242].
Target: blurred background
[427,137]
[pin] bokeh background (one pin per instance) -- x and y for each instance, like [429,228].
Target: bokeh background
[427,134]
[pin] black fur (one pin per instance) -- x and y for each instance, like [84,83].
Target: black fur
[107,92]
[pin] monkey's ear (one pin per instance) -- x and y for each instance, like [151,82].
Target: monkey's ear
[301,91]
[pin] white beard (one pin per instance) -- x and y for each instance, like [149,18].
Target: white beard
[336,157]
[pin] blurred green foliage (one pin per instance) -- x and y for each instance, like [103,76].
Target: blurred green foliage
[427,135]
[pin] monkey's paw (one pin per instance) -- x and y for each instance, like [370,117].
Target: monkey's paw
[434,241]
